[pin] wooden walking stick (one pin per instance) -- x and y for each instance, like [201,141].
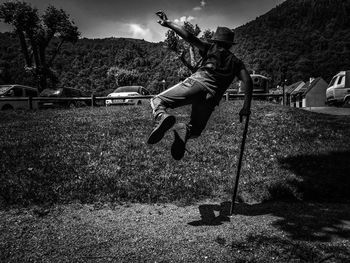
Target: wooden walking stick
[245,131]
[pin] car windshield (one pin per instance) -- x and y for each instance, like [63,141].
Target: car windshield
[51,92]
[128,89]
[3,89]
[332,81]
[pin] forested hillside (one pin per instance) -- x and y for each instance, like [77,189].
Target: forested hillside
[299,38]
[85,64]
[304,38]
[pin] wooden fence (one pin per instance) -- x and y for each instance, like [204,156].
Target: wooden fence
[93,100]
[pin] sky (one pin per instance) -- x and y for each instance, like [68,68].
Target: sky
[137,19]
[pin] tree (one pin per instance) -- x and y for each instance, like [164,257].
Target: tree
[5,76]
[37,33]
[207,34]
[123,77]
[183,49]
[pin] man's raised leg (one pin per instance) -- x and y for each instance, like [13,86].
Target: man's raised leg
[184,93]
[162,121]
[201,112]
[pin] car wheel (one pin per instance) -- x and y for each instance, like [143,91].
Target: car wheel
[347,103]
[7,107]
[72,105]
[80,104]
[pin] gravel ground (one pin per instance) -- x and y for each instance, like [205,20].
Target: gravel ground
[278,232]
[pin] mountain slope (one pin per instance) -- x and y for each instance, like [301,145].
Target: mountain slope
[296,40]
[302,38]
[85,64]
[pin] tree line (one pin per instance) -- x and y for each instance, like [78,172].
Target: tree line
[296,40]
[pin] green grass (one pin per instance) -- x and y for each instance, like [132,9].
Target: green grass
[100,154]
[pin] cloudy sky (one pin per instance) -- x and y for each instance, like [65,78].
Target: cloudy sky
[136,18]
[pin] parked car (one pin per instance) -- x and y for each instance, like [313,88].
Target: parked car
[62,93]
[16,92]
[127,91]
[338,91]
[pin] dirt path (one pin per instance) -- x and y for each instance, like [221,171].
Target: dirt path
[279,232]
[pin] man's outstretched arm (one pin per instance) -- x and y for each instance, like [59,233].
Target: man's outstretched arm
[181,31]
[248,84]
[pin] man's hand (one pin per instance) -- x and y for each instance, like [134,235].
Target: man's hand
[163,18]
[245,111]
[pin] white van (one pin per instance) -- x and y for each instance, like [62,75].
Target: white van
[338,91]
[12,97]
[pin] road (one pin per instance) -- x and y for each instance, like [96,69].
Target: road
[329,110]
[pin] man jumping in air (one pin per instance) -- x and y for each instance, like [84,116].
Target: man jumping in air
[203,89]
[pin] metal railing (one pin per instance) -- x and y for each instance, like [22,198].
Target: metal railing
[92,101]
[227,96]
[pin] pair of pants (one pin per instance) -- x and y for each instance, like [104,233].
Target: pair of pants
[185,93]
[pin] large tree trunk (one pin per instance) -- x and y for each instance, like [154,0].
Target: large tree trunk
[43,67]
[55,53]
[24,48]
[39,69]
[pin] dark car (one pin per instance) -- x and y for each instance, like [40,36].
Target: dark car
[13,95]
[65,93]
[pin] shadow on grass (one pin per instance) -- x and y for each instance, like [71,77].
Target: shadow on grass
[208,216]
[320,177]
[280,249]
[305,221]
[300,221]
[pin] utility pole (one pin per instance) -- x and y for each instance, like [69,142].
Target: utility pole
[284,81]
[284,94]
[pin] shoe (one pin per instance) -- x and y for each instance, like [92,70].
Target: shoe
[178,147]
[163,123]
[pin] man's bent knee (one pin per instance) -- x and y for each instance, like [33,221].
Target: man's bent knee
[157,105]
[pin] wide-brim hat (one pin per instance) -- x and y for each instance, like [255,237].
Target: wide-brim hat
[224,35]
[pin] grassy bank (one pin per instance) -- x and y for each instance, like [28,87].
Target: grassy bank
[100,154]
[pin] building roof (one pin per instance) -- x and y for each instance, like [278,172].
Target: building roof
[313,84]
[304,89]
[300,89]
[289,89]
[258,75]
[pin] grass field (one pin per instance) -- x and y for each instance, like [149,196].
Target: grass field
[100,154]
[83,186]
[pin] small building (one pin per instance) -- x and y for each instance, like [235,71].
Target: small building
[289,89]
[311,94]
[315,94]
[296,93]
